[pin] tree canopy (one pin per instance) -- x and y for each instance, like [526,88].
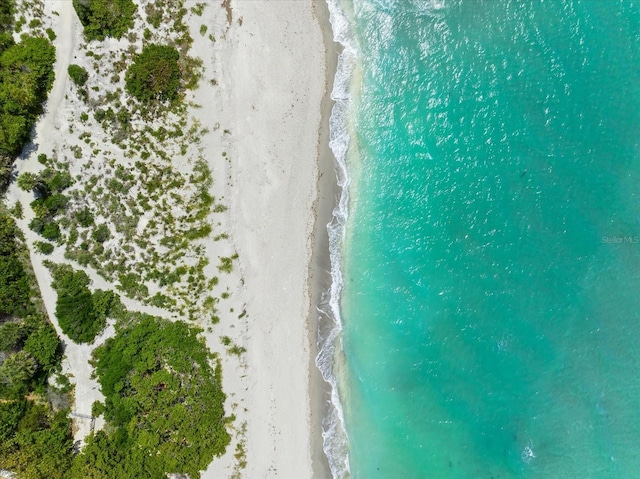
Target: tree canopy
[163,407]
[29,346]
[35,441]
[155,74]
[105,18]
[75,308]
[26,76]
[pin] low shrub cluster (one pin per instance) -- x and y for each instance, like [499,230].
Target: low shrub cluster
[105,18]
[47,186]
[81,314]
[155,74]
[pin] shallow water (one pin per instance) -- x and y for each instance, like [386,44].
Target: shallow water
[491,261]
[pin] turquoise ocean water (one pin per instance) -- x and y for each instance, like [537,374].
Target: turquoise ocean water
[491,260]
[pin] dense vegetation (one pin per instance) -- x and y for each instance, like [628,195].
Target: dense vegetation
[35,441]
[35,437]
[29,347]
[105,18]
[6,16]
[26,76]
[81,314]
[163,406]
[155,74]
[47,187]
[78,74]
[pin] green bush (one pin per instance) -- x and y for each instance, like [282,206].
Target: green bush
[26,75]
[101,233]
[85,217]
[78,74]
[51,231]
[56,203]
[164,405]
[74,308]
[105,18]
[11,336]
[155,74]
[43,247]
[40,443]
[44,346]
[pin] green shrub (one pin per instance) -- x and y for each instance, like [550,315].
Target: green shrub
[155,74]
[51,231]
[78,74]
[101,233]
[85,217]
[75,308]
[12,336]
[44,247]
[59,181]
[105,18]
[54,204]
[44,346]
[97,409]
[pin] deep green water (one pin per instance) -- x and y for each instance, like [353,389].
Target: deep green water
[492,267]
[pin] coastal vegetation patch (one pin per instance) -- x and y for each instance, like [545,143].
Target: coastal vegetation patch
[49,203]
[81,314]
[128,195]
[105,18]
[164,404]
[35,432]
[29,347]
[26,76]
[154,74]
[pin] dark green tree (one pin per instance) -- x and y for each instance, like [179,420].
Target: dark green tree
[26,76]
[15,293]
[105,18]
[163,402]
[10,414]
[44,345]
[155,74]
[11,336]
[74,308]
[78,74]
[17,369]
[42,445]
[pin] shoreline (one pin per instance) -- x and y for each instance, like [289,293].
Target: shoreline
[274,66]
[320,263]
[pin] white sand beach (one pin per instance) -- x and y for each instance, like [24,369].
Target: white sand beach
[273,83]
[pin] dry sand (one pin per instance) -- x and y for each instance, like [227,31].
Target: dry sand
[274,79]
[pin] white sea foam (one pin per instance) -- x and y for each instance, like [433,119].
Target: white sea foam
[527,453]
[335,440]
